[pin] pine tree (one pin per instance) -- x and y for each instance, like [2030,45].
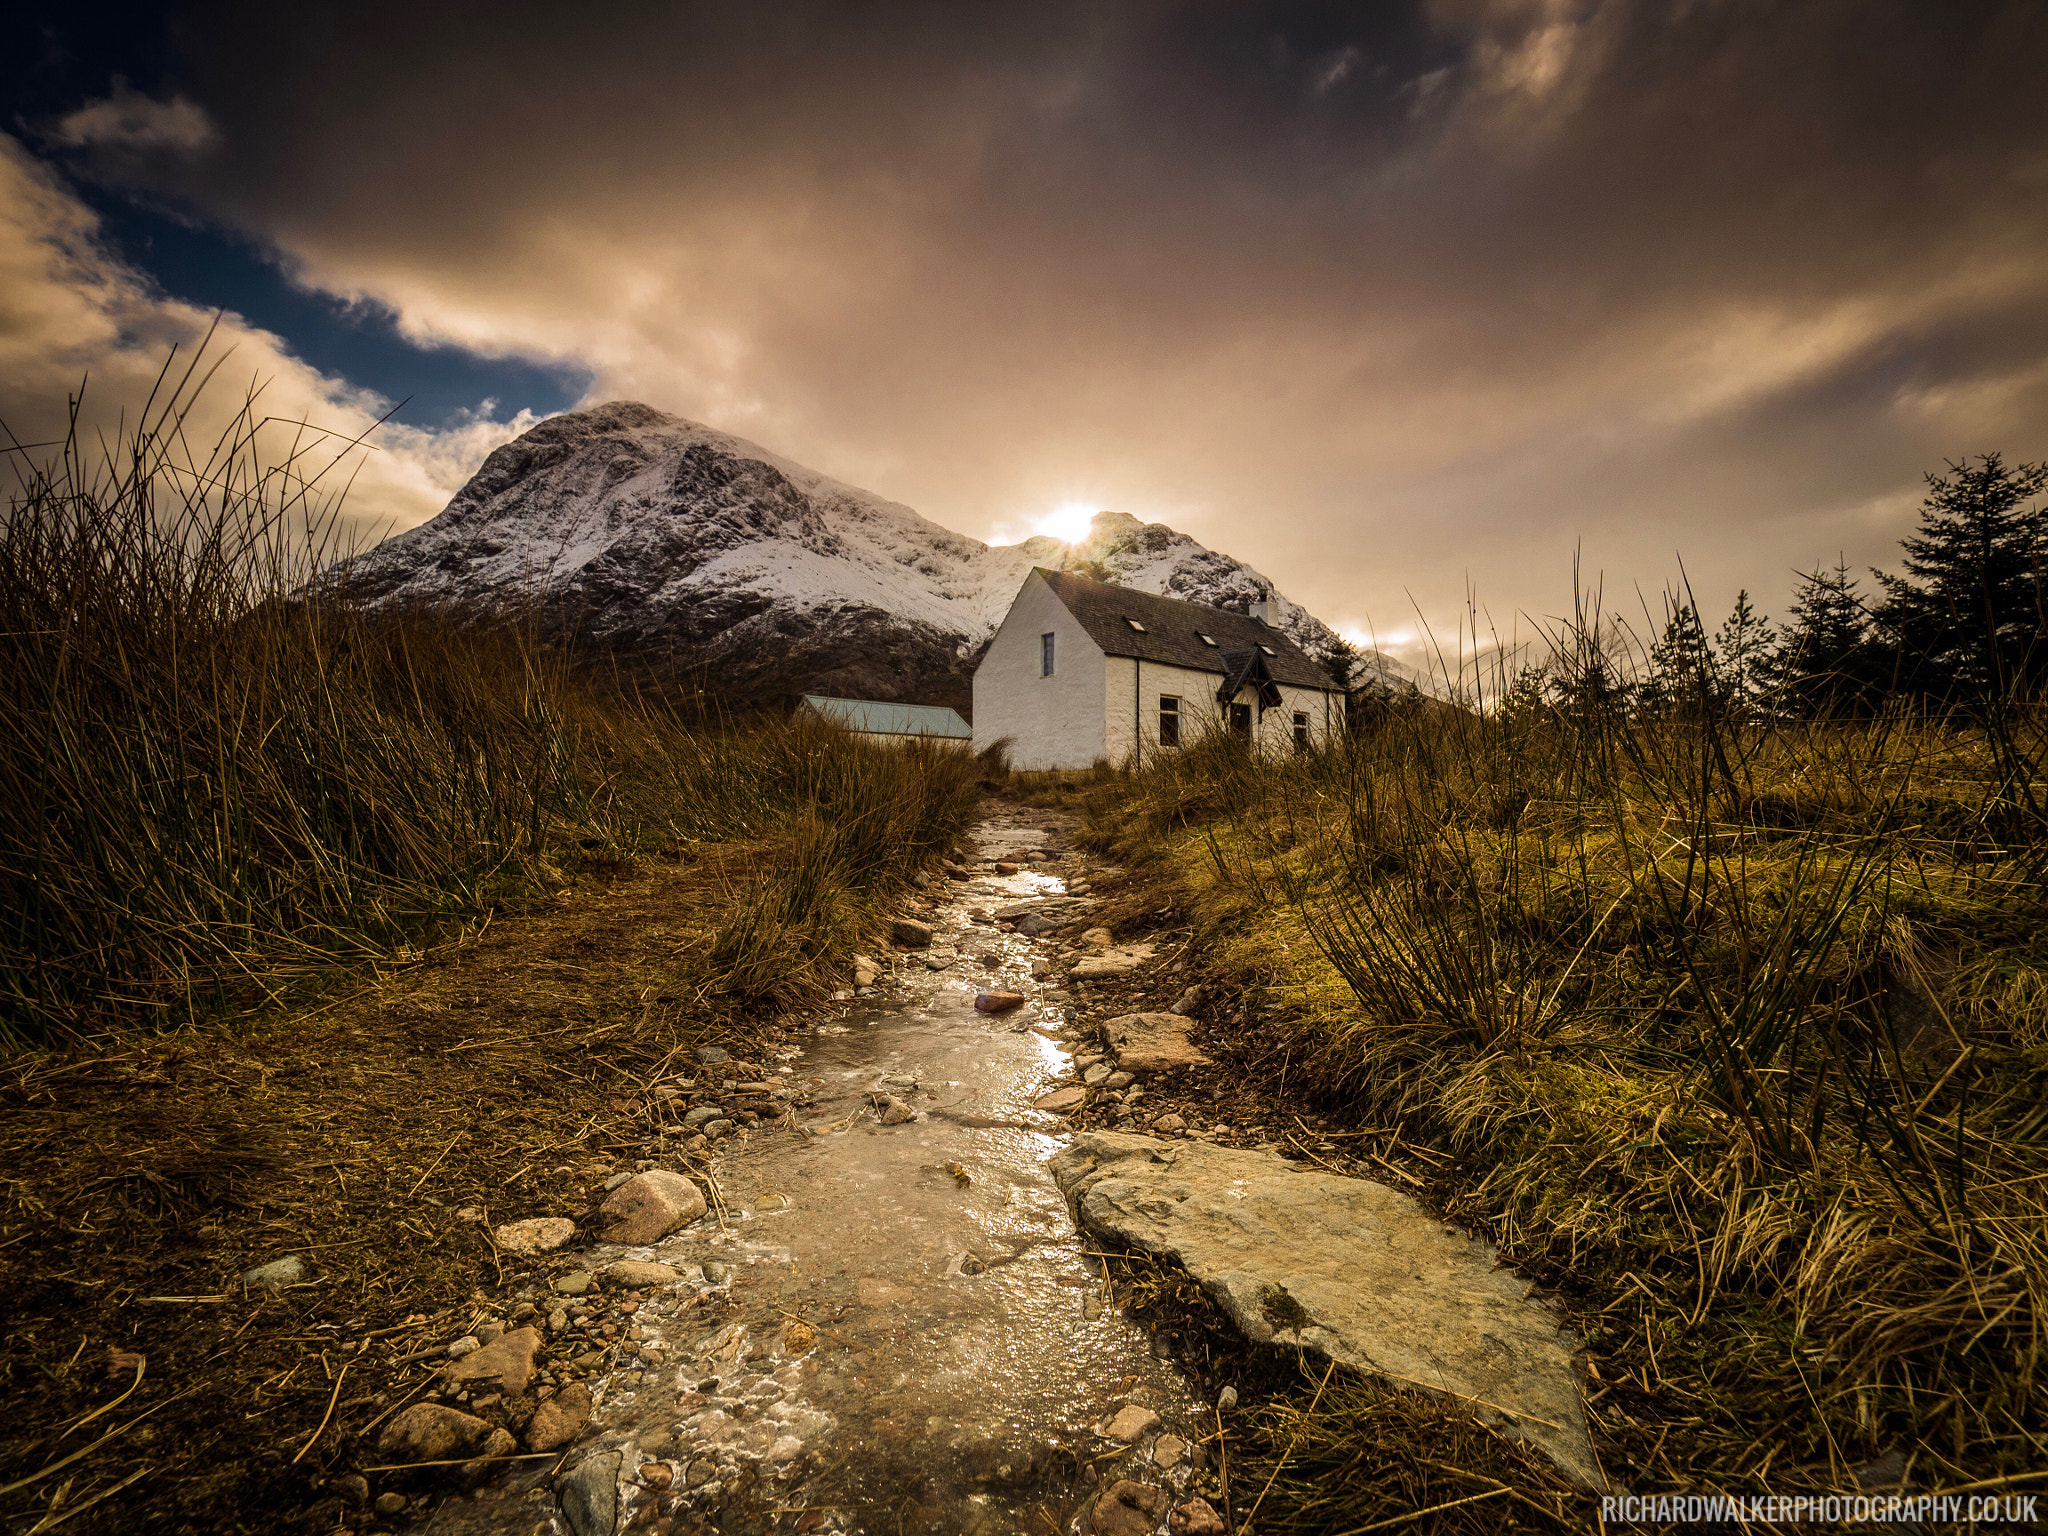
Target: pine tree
[1967,614]
[1742,651]
[1682,679]
[1829,661]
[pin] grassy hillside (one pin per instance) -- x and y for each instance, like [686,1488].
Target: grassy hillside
[1735,1034]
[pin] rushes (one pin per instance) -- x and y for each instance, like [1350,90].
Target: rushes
[1737,1025]
[218,775]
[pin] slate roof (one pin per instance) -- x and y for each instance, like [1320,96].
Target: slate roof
[1172,628]
[891,719]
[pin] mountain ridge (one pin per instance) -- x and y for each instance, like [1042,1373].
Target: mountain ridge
[658,535]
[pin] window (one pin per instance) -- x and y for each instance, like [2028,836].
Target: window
[1169,721]
[1045,655]
[1205,639]
[1134,624]
[1269,650]
[1300,731]
[1241,721]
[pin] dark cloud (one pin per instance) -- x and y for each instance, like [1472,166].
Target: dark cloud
[1376,296]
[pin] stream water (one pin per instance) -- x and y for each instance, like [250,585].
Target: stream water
[954,1358]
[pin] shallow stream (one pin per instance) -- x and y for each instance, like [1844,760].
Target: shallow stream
[907,1333]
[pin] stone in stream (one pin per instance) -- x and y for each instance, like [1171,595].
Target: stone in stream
[589,1496]
[560,1419]
[909,933]
[1131,1423]
[997,1002]
[507,1362]
[635,1275]
[1153,1042]
[1346,1268]
[650,1205]
[537,1234]
[1060,1100]
[1005,867]
[1197,1517]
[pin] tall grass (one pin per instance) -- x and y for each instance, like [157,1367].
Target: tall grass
[216,771]
[1740,1028]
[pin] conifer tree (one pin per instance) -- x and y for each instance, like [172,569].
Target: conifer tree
[1682,678]
[1829,661]
[1967,613]
[1741,657]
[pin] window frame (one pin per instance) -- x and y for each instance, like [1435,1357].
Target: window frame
[1240,720]
[1048,653]
[1169,737]
[1303,735]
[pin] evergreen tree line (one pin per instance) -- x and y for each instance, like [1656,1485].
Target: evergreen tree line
[1964,624]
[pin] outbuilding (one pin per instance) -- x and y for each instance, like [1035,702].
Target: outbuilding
[892,725]
[1082,672]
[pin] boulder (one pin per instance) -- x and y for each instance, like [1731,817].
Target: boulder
[1153,1042]
[1125,1508]
[560,1419]
[1344,1268]
[506,1361]
[429,1432]
[537,1234]
[650,1205]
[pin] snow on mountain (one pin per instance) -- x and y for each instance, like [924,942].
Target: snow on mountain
[653,533]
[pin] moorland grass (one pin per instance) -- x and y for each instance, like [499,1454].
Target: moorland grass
[1736,1032]
[219,776]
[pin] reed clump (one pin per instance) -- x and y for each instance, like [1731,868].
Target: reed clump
[219,777]
[1732,1027]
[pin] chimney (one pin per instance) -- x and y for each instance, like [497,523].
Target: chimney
[1263,612]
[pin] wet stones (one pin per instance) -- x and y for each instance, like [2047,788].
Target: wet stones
[1111,963]
[560,1419]
[909,933]
[1342,1267]
[1060,1100]
[650,1205]
[574,1282]
[537,1234]
[997,1002]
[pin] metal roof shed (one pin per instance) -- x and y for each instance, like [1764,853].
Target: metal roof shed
[892,722]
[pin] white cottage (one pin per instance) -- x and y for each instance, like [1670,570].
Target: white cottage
[1081,672]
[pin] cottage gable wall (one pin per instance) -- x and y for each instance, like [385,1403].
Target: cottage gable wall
[1052,722]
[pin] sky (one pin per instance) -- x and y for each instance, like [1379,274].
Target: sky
[1412,306]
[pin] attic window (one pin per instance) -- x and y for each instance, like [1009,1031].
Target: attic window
[1269,650]
[1205,639]
[1134,624]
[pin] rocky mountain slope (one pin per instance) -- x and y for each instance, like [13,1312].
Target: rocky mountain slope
[661,536]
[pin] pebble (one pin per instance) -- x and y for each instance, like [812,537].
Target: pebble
[717,1274]
[537,1234]
[352,1486]
[1007,868]
[1226,1400]
[1098,938]
[712,1055]
[468,1344]
[389,1504]
[1091,1306]
[997,1002]
[506,1363]
[575,1282]
[1118,1080]
[277,1274]
[1040,968]
[648,1206]
[1167,1452]
[429,1432]
[1169,1125]
[1098,1073]
[1197,1517]
[714,1129]
[704,1112]
[615,1181]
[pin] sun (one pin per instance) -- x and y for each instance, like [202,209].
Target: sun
[1069,523]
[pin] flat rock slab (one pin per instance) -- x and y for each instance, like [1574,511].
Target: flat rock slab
[1346,1268]
[1153,1042]
[1120,961]
[1060,1100]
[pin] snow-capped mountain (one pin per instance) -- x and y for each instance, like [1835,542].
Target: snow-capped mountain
[652,533]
